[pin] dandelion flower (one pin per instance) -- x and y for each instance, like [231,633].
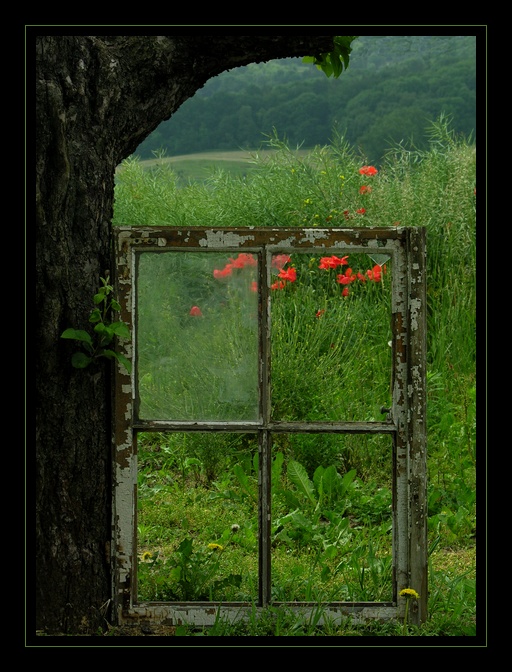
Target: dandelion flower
[216,547]
[235,528]
[146,556]
[408,592]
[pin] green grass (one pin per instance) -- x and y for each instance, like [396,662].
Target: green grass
[326,367]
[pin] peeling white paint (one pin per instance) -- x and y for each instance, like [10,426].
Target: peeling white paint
[415,312]
[223,239]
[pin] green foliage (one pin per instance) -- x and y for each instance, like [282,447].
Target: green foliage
[327,542]
[105,331]
[332,63]
[393,88]
[189,574]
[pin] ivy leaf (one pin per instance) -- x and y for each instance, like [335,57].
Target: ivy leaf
[98,298]
[77,335]
[120,329]
[80,360]
[111,354]
[332,62]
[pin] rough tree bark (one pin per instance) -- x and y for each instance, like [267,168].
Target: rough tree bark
[97,98]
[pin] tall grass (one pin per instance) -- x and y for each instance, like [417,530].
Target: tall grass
[335,360]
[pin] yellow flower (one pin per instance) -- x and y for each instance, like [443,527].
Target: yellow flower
[408,592]
[146,556]
[216,547]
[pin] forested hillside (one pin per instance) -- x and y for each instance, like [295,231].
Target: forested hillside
[393,89]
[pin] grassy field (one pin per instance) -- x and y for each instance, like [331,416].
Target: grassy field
[199,167]
[198,491]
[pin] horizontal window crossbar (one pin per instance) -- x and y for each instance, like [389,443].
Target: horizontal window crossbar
[281,427]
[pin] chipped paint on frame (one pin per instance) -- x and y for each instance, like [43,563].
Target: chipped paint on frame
[406,421]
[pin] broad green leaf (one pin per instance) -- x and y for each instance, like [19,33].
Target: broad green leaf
[80,360]
[77,335]
[115,305]
[347,480]
[330,481]
[120,329]
[95,316]
[317,476]
[101,328]
[98,298]
[125,362]
[332,62]
[299,477]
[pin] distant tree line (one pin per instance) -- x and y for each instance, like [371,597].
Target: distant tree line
[393,89]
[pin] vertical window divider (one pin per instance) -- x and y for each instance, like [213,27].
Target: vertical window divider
[264,438]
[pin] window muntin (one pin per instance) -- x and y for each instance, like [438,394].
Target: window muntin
[404,251]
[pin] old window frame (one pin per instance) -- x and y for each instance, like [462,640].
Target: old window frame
[405,423]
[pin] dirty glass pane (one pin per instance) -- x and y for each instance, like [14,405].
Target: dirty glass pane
[197,517]
[331,532]
[330,337]
[197,336]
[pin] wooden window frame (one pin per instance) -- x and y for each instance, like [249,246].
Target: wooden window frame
[405,423]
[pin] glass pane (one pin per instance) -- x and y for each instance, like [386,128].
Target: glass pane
[331,532]
[197,337]
[330,337]
[197,517]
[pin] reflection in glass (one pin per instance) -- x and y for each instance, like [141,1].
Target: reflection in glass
[197,336]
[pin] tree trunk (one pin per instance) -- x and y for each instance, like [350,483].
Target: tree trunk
[97,98]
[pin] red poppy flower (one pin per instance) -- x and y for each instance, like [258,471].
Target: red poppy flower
[346,278]
[290,274]
[195,311]
[361,211]
[368,170]
[244,259]
[280,284]
[254,286]
[375,274]
[319,313]
[365,190]
[332,262]
[227,270]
